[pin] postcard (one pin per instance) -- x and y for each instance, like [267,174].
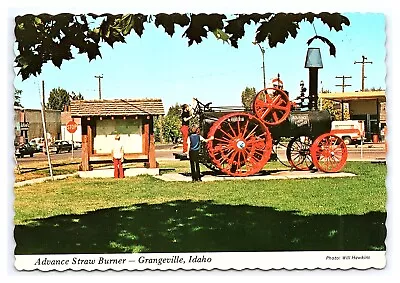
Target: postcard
[200,141]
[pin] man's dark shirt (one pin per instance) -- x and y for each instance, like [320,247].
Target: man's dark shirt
[185,114]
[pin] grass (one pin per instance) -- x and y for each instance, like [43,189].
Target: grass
[145,214]
[41,169]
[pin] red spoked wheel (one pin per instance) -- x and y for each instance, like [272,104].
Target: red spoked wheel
[242,144]
[329,153]
[272,106]
[298,153]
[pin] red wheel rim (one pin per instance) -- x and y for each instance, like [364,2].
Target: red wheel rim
[329,153]
[298,153]
[272,106]
[242,144]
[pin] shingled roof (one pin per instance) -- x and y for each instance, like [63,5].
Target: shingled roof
[116,107]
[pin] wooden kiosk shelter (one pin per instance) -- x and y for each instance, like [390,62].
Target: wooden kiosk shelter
[132,119]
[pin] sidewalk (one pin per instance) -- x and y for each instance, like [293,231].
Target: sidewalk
[185,177]
[264,175]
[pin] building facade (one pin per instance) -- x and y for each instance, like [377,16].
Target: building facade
[28,124]
[368,106]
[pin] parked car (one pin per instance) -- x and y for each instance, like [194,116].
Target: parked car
[24,149]
[63,146]
[38,143]
[60,146]
[77,144]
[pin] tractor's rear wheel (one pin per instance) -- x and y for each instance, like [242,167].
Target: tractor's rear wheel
[242,144]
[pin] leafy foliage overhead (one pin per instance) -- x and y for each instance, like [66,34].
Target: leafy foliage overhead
[43,38]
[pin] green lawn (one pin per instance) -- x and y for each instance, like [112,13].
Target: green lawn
[144,214]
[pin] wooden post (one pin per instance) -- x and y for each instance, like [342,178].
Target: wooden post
[90,137]
[85,149]
[146,135]
[152,147]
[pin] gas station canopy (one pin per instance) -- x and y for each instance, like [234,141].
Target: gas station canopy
[358,95]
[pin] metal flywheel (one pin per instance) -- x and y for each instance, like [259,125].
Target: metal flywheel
[272,105]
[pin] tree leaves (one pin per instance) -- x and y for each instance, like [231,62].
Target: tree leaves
[278,28]
[197,27]
[220,34]
[332,48]
[111,30]
[248,96]
[335,20]
[58,98]
[138,21]
[42,38]
[45,37]
[236,26]
[169,21]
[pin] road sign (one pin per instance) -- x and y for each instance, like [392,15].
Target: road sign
[72,126]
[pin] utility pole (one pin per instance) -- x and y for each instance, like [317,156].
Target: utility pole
[343,85]
[46,144]
[262,49]
[99,77]
[363,62]
[44,116]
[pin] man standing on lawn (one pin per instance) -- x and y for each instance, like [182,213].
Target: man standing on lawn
[117,154]
[194,143]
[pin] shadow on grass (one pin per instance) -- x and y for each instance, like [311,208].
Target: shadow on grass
[186,226]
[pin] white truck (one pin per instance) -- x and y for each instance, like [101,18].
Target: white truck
[351,131]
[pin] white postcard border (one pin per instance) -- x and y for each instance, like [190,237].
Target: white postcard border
[342,260]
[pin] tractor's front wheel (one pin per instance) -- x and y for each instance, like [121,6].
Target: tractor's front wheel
[329,153]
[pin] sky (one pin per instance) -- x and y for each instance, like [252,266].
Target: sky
[158,66]
[213,72]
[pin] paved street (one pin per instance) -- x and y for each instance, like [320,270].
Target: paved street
[368,152]
[40,156]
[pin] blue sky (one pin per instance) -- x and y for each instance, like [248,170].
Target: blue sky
[158,66]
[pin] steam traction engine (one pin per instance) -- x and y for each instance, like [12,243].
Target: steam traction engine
[243,140]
